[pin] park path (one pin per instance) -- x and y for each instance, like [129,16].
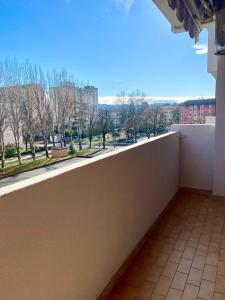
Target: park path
[33,173]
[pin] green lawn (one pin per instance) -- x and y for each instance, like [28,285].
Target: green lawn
[13,168]
[96,142]
[86,152]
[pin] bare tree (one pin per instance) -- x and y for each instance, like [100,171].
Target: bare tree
[62,92]
[53,82]
[13,92]
[67,99]
[154,119]
[91,120]
[3,120]
[104,124]
[136,100]
[51,121]
[28,106]
[41,104]
[80,112]
[147,119]
[123,105]
[3,126]
[131,111]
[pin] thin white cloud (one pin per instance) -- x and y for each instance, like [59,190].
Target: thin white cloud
[125,4]
[201,49]
[150,99]
[119,80]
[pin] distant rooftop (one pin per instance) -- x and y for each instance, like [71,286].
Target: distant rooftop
[199,102]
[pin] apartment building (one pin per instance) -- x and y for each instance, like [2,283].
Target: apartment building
[168,111]
[115,118]
[81,97]
[90,95]
[24,91]
[197,111]
[114,113]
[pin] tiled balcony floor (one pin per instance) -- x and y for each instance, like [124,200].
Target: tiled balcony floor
[185,256]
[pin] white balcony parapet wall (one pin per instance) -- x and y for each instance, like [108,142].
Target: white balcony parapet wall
[212,58]
[196,155]
[64,234]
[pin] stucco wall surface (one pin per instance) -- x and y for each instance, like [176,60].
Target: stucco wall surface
[196,155]
[62,237]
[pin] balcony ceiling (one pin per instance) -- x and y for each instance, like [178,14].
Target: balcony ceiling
[170,15]
[193,15]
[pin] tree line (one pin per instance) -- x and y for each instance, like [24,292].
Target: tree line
[139,116]
[38,104]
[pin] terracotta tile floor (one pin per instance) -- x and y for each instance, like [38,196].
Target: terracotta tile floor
[185,256]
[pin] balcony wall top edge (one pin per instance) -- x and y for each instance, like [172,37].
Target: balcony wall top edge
[47,176]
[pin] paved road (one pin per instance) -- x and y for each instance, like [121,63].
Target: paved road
[23,176]
[20,177]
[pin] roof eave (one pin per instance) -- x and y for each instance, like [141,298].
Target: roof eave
[170,15]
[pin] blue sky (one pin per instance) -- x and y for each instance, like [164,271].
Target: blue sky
[114,44]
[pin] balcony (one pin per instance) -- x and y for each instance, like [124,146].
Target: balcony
[72,233]
[184,257]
